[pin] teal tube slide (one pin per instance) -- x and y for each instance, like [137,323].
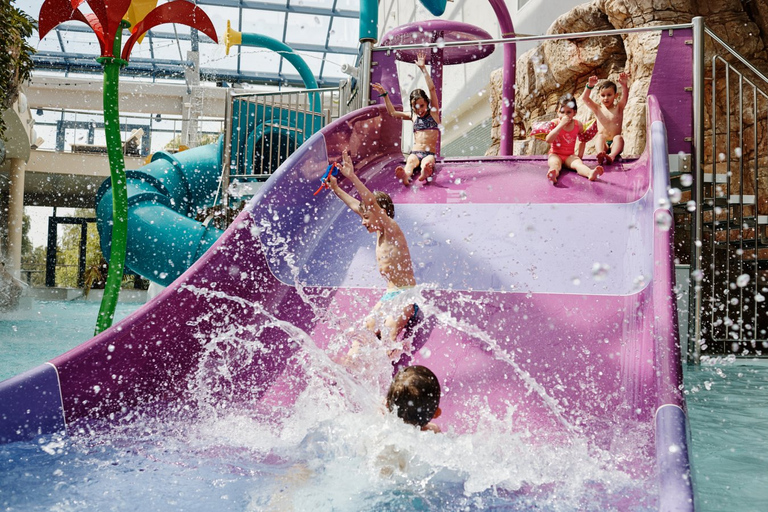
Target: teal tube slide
[164,196]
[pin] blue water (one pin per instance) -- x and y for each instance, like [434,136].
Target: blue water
[31,337]
[326,457]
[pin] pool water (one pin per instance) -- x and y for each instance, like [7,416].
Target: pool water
[728,410]
[33,336]
[326,455]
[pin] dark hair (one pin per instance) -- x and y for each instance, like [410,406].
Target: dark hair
[385,202]
[567,100]
[419,93]
[415,392]
[607,84]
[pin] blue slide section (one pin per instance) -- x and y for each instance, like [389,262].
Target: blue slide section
[164,239]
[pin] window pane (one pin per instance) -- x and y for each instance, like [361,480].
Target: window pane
[306,29]
[267,23]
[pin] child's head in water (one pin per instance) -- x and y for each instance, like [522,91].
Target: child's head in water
[415,393]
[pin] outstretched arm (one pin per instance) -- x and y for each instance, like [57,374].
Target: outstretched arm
[623,77]
[434,101]
[586,96]
[348,171]
[390,107]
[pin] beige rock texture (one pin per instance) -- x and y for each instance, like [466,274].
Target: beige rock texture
[558,67]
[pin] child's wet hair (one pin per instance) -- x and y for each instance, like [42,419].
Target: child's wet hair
[567,100]
[385,202]
[607,84]
[415,392]
[419,94]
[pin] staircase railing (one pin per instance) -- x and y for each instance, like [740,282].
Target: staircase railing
[729,253]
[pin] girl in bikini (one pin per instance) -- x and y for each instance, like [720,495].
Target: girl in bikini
[563,138]
[425,114]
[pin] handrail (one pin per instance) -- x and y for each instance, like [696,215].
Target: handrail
[735,54]
[545,37]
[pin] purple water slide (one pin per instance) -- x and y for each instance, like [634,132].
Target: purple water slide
[552,302]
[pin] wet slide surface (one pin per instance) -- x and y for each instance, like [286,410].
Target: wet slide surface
[541,304]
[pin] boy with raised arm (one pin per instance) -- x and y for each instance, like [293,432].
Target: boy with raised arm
[610,116]
[377,213]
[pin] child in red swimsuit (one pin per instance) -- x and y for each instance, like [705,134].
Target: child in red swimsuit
[563,138]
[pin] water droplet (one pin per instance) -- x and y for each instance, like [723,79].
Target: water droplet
[742,280]
[663,220]
[686,180]
[759,297]
[600,271]
[737,152]
[576,281]
[675,195]
[663,202]
[511,235]
[440,42]
[697,275]
[690,206]
[639,282]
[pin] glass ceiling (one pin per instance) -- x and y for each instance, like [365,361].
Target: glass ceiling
[323,32]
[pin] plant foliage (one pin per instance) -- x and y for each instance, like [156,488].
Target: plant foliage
[15,53]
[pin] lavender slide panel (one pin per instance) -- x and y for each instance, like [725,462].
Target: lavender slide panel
[31,405]
[484,247]
[668,85]
[676,490]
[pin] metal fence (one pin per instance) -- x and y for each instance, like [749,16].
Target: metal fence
[261,130]
[729,264]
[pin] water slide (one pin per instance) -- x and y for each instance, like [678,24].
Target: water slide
[551,308]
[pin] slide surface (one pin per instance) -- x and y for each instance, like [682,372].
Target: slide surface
[551,306]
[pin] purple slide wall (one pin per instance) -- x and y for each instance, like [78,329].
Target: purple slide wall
[560,298]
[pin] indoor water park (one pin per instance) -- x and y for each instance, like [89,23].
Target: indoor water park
[358,255]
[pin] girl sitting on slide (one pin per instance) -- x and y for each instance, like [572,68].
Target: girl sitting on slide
[425,114]
[563,136]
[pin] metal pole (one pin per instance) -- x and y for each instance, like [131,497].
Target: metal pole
[226,156]
[364,80]
[694,316]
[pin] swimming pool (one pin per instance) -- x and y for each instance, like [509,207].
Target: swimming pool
[331,458]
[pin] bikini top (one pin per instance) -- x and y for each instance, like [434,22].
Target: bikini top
[424,123]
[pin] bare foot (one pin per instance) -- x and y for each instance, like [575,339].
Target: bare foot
[426,172]
[601,157]
[608,160]
[596,173]
[552,176]
[402,175]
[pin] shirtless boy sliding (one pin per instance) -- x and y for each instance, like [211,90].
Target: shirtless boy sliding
[610,115]
[377,213]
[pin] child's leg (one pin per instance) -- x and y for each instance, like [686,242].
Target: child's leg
[427,167]
[404,174]
[616,148]
[600,147]
[395,325]
[555,165]
[580,167]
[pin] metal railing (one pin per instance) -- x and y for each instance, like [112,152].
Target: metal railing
[729,254]
[261,130]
